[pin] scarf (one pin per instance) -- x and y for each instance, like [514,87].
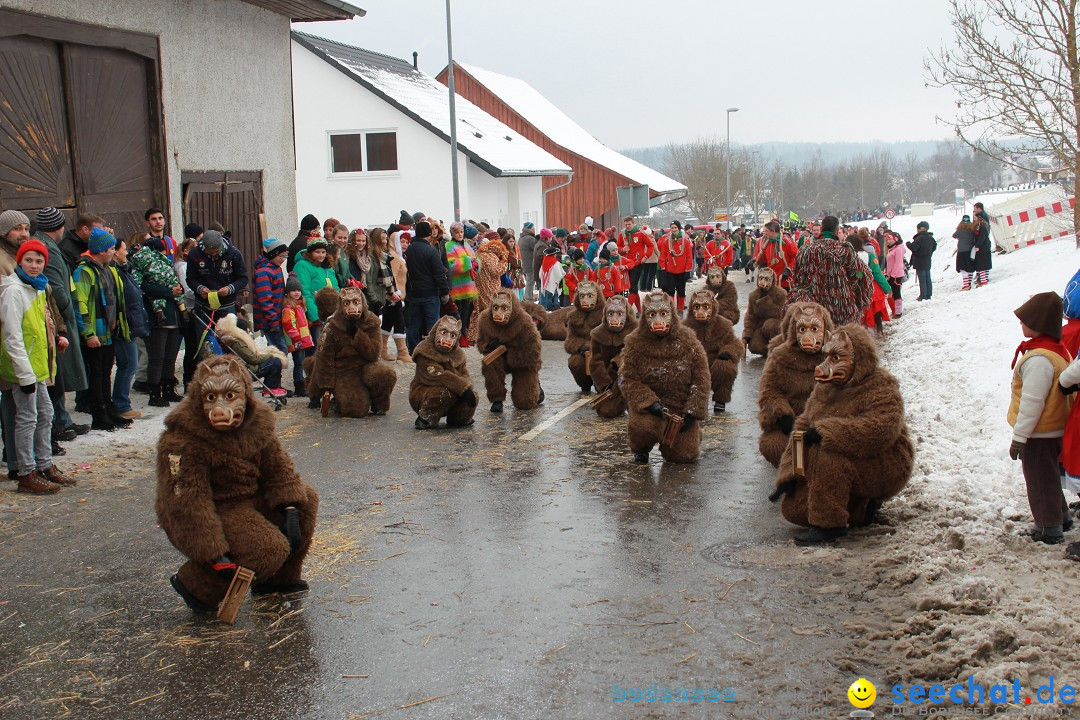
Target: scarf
[1041,342]
[39,282]
[363,261]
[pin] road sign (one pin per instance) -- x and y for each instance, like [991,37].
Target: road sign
[890,214]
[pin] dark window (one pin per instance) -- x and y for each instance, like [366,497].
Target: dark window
[347,153]
[381,151]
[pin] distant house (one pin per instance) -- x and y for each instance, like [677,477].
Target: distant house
[114,106]
[598,170]
[372,139]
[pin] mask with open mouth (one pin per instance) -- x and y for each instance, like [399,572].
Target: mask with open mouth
[352,301]
[839,360]
[657,313]
[502,307]
[587,295]
[810,328]
[766,279]
[446,333]
[223,388]
[702,306]
[615,313]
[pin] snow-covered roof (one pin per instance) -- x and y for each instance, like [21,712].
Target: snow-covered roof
[493,146]
[553,122]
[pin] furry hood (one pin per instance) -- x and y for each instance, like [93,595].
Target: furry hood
[327,301]
[426,348]
[865,360]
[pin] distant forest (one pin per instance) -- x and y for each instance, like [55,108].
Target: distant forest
[799,153]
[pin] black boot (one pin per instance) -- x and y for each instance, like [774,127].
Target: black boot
[156,400]
[421,423]
[101,420]
[190,600]
[66,435]
[80,429]
[641,458]
[819,536]
[497,406]
[719,407]
[540,401]
[116,418]
[168,391]
[141,386]
[298,389]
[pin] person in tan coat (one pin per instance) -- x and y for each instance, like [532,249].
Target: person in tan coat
[722,347]
[727,297]
[764,309]
[586,313]
[788,377]
[505,323]
[606,342]
[441,386]
[228,494]
[664,370]
[347,361]
[857,450]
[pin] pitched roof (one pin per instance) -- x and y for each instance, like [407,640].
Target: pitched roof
[553,122]
[490,144]
[311,10]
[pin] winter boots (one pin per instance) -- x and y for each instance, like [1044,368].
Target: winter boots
[818,535]
[156,399]
[402,350]
[385,350]
[168,391]
[899,307]
[35,484]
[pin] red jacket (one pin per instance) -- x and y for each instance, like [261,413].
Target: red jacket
[719,253]
[638,249]
[779,255]
[574,275]
[611,279]
[676,255]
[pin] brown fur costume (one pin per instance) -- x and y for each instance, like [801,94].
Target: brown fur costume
[222,491]
[788,377]
[763,312]
[727,297]
[666,366]
[718,338]
[579,326]
[552,325]
[865,455]
[522,358]
[607,344]
[347,361]
[327,301]
[441,385]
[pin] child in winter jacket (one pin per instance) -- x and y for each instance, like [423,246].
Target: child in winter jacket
[294,325]
[894,271]
[1038,413]
[28,348]
[551,277]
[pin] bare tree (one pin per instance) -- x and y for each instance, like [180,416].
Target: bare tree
[700,166]
[1019,92]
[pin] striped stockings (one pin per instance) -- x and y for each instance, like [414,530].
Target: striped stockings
[965,277]
[982,277]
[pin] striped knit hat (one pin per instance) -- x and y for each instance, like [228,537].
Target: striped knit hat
[49,219]
[100,241]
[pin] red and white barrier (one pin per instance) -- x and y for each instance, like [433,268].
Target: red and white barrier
[1033,218]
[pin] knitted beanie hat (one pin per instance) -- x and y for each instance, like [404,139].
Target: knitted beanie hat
[293,283]
[545,234]
[561,233]
[309,223]
[11,218]
[471,232]
[1042,313]
[49,219]
[272,247]
[422,230]
[100,241]
[213,240]
[405,220]
[31,245]
[192,230]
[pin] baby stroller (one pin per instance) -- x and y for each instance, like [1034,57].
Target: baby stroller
[210,345]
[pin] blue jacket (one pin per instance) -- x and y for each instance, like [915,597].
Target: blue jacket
[227,269]
[138,320]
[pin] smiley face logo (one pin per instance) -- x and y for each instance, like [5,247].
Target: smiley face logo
[862,693]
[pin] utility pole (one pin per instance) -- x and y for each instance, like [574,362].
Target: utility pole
[727,165]
[753,159]
[453,115]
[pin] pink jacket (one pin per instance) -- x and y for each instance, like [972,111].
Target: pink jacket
[896,261]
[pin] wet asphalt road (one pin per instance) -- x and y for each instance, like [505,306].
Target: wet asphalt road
[505,578]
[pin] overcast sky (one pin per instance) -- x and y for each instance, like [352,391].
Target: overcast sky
[839,70]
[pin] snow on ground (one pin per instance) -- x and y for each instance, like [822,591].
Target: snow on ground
[959,590]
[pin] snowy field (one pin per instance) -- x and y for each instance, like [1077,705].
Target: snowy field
[963,592]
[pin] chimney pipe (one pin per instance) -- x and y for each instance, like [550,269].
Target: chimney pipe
[414,64]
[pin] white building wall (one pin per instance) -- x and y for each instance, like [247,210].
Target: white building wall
[225,86]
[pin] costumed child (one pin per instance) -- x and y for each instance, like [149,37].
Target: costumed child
[878,312]
[297,331]
[1038,413]
[577,273]
[551,277]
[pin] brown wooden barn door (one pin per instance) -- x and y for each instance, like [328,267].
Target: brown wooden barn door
[109,110]
[35,164]
[233,199]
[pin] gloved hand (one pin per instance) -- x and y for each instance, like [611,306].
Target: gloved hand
[811,437]
[1016,450]
[655,409]
[224,567]
[291,527]
[723,356]
[582,349]
[491,347]
[786,423]
[687,422]
[29,389]
[784,488]
[350,325]
[1068,390]
[469,397]
[786,274]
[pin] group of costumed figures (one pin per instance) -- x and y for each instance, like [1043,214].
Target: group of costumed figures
[229,496]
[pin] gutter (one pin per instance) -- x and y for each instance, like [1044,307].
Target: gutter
[569,179]
[656,202]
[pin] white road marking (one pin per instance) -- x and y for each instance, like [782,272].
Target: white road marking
[555,418]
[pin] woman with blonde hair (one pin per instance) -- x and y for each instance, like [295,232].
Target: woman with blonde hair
[388,272]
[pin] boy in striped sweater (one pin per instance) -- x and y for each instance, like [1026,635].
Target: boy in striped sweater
[269,292]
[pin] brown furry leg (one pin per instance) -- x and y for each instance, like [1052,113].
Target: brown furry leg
[614,406]
[525,391]
[829,478]
[290,571]
[723,379]
[856,509]
[380,380]
[759,344]
[769,329]
[495,380]
[460,413]
[793,507]
[309,369]
[772,445]
[686,447]
[353,398]
[433,403]
[643,431]
[577,366]
[254,541]
[203,583]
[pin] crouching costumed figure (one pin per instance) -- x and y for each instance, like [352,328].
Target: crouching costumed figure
[586,314]
[856,450]
[227,493]
[764,308]
[607,343]
[721,345]
[442,387]
[506,325]
[664,376]
[347,363]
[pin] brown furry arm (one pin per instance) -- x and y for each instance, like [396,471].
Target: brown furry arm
[728,302]
[700,383]
[574,340]
[598,368]
[638,395]
[435,375]
[368,339]
[731,345]
[278,479]
[750,320]
[185,504]
[772,397]
[877,422]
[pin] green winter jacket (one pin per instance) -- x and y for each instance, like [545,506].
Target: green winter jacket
[90,299]
[879,276]
[70,363]
[26,354]
[313,278]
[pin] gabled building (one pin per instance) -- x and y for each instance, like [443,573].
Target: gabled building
[372,139]
[598,170]
[114,106]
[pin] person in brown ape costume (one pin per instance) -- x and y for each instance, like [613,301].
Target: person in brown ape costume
[722,346]
[552,325]
[764,309]
[347,359]
[327,301]
[857,450]
[586,313]
[441,386]
[788,377]
[506,323]
[228,494]
[664,369]
[606,341]
[727,297]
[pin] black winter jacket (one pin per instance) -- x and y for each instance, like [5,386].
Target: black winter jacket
[228,268]
[922,247]
[427,271]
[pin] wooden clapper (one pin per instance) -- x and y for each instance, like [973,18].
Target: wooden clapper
[494,355]
[234,596]
[671,430]
[798,453]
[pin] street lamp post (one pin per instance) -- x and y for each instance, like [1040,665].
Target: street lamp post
[753,157]
[453,116]
[727,166]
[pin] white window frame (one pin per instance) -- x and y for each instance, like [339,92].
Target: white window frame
[365,173]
